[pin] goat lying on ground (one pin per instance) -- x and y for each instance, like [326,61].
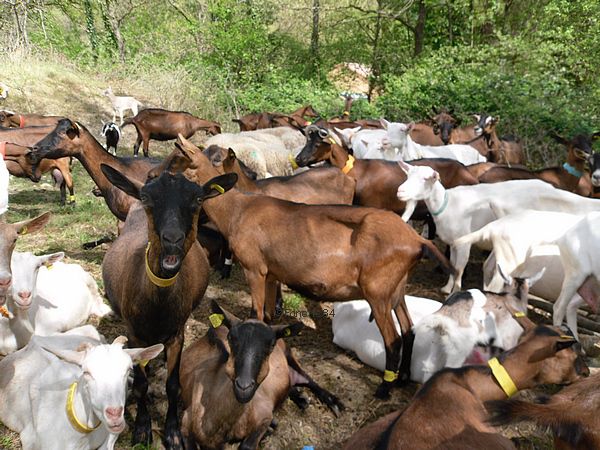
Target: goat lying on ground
[11,119]
[74,370]
[322,251]
[164,125]
[572,414]
[155,274]
[448,411]
[121,104]
[235,377]
[112,133]
[452,336]
[464,209]
[353,331]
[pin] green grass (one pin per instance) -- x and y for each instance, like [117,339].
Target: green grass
[293,302]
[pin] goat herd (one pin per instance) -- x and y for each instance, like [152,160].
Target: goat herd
[336,232]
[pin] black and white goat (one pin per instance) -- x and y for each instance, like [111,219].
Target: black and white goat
[112,133]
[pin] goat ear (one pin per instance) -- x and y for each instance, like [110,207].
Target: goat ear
[283,331]
[231,154]
[144,354]
[74,131]
[219,185]
[535,278]
[130,187]
[565,342]
[495,120]
[121,340]
[507,278]
[51,258]
[384,123]
[477,117]
[406,168]
[410,127]
[558,138]
[221,315]
[70,356]
[187,148]
[31,225]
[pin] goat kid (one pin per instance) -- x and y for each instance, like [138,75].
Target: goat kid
[112,133]
[121,104]
[236,376]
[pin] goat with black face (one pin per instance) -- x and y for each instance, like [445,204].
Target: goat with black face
[233,379]
[155,274]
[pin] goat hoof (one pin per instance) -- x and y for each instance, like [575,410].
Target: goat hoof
[225,272]
[383,390]
[142,435]
[173,440]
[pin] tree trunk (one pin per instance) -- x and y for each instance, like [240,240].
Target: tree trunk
[90,27]
[420,28]
[375,59]
[115,25]
[314,37]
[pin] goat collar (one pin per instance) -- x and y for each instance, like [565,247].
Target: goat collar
[21,121]
[572,170]
[349,165]
[157,281]
[443,207]
[502,377]
[77,424]
[292,161]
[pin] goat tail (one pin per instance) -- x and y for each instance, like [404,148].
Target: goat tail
[471,238]
[429,249]
[128,121]
[503,412]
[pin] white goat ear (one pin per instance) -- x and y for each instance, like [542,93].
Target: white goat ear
[51,258]
[70,356]
[535,278]
[144,354]
[406,168]
[507,279]
[384,123]
[365,142]
[121,340]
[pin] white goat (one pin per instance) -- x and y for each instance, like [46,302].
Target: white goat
[353,331]
[15,332]
[63,295]
[468,320]
[122,104]
[67,392]
[579,249]
[464,209]
[368,144]
[263,151]
[398,137]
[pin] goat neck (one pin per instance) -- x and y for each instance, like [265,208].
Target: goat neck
[437,200]
[79,409]
[339,158]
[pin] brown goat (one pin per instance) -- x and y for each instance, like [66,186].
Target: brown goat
[27,136]
[573,414]
[443,125]
[10,119]
[155,274]
[163,125]
[567,176]
[259,121]
[234,378]
[321,186]
[333,252]
[424,134]
[377,180]
[69,138]
[448,411]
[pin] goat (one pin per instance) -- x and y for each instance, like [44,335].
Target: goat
[398,136]
[565,177]
[259,121]
[366,144]
[155,274]
[78,371]
[112,133]
[451,336]
[578,248]
[353,331]
[164,125]
[376,180]
[58,296]
[122,104]
[443,125]
[27,136]
[17,331]
[10,119]
[570,414]
[71,139]
[3,91]
[594,164]
[505,150]
[323,251]
[234,378]
[464,209]
[544,355]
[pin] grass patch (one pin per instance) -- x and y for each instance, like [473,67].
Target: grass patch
[293,302]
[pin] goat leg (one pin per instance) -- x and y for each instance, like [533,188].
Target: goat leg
[142,431]
[251,442]
[173,438]
[408,336]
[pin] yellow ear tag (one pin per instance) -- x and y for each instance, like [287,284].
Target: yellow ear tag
[287,332]
[216,320]
[564,337]
[308,122]
[23,231]
[332,141]
[390,376]
[519,314]
[143,362]
[217,187]
[50,266]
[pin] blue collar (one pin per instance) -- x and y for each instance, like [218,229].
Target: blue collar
[443,207]
[572,170]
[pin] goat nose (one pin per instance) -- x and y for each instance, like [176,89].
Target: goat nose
[244,385]
[25,294]
[173,237]
[114,412]
[5,281]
